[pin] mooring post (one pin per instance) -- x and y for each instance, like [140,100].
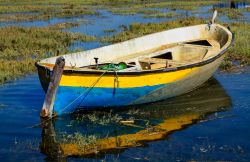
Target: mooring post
[49,100]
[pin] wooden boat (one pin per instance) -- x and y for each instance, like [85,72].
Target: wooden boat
[141,70]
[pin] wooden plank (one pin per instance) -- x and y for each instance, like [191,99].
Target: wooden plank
[146,52]
[48,104]
[163,61]
[196,46]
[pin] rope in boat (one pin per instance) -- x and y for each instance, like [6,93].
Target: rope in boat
[86,91]
[116,79]
[116,82]
[89,89]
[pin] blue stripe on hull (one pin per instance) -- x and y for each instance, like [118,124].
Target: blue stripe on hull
[67,98]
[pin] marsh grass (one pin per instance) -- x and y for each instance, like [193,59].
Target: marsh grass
[43,12]
[133,10]
[109,30]
[24,8]
[231,13]
[124,11]
[172,4]
[63,25]
[20,47]
[240,49]
[227,64]
[10,70]
[245,9]
[163,15]
[148,8]
[62,8]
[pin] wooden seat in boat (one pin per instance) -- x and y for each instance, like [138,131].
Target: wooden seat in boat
[157,63]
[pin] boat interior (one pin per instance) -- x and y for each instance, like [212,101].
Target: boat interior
[165,56]
[167,49]
[168,56]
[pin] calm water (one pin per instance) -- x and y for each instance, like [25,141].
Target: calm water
[220,133]
[218,113]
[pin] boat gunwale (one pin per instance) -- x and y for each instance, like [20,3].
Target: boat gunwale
[173,69]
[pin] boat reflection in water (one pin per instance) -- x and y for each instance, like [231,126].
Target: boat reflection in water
[90,133]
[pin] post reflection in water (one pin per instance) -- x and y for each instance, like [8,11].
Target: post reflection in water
[96,133]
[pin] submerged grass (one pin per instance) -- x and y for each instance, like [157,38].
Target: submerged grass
[98,117]
[82,141]
[20,47]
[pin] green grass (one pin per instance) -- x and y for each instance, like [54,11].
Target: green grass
[10,70]
[241,49]
[148,7]
[20,47]
[164,15]
[109,30]
[133,10]
[124,11]
[43,12]
[62,8]
[172,4]
[181,5]
[63,25]
[231,13]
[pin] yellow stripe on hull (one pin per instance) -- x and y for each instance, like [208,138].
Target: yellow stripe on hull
[127,81]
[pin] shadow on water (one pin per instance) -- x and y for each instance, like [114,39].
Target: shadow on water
[98,133]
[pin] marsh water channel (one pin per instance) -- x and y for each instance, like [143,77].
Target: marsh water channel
[208,124]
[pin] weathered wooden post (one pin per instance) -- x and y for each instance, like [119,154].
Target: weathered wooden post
[49,100]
